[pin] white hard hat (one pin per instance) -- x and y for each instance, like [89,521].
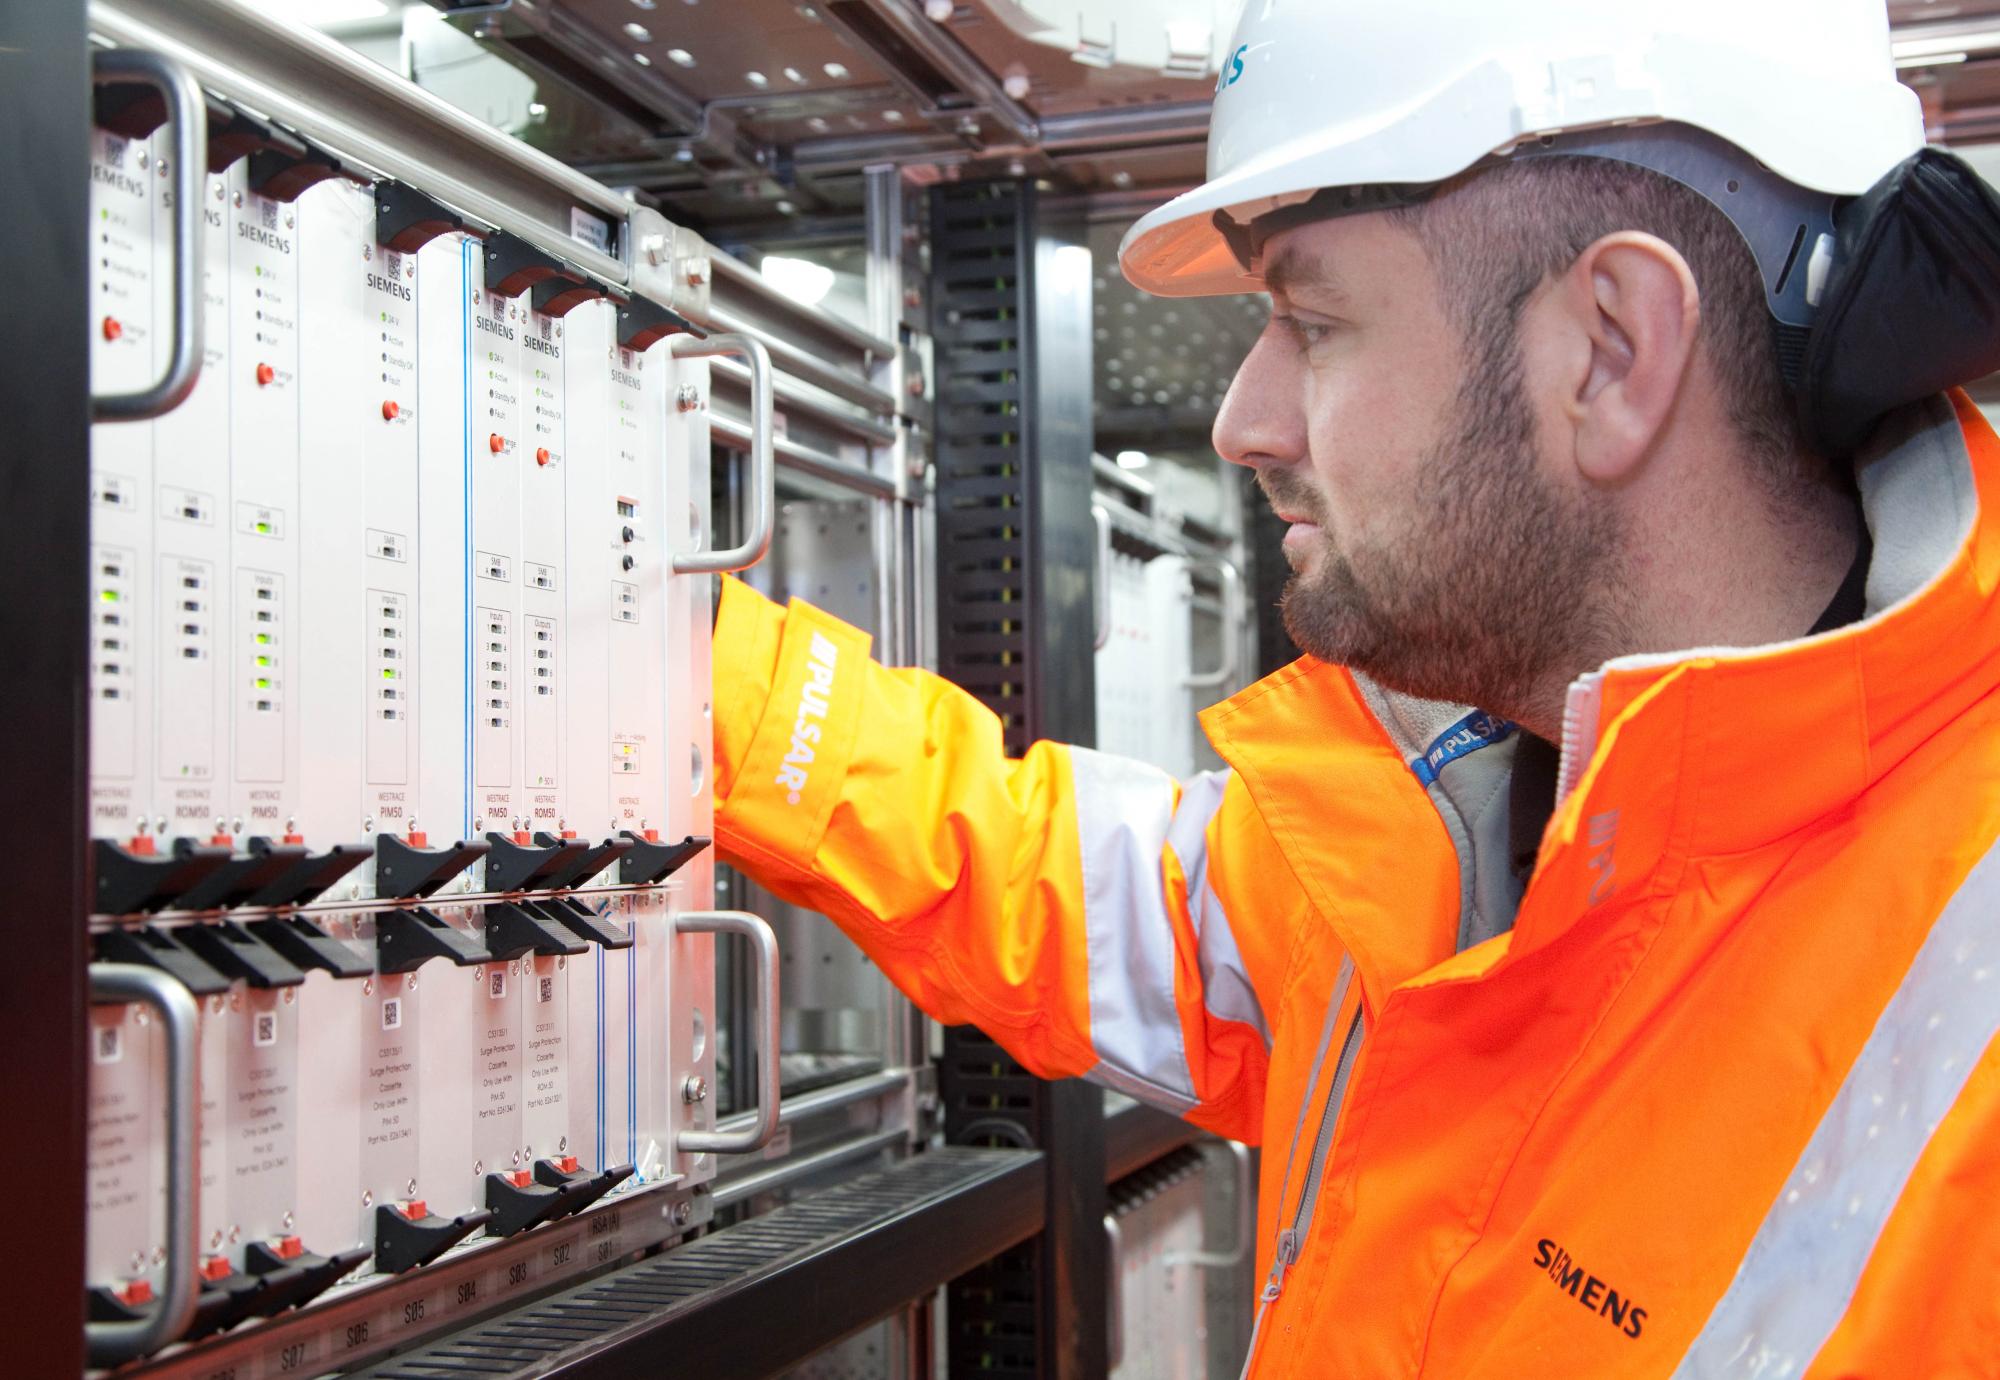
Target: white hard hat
[1318,94]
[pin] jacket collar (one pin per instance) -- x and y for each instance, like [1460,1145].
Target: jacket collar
[1724,750]
[1686,755]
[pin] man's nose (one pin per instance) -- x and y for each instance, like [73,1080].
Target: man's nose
[1261,421]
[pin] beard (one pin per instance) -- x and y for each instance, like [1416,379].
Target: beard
[1495,586]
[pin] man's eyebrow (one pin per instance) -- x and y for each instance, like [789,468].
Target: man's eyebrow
[1292,272]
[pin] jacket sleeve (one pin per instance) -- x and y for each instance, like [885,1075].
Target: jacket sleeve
[1065,903]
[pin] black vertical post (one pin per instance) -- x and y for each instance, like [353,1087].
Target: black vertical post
[1016,557]
[44,490]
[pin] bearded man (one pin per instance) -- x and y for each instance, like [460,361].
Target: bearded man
[1596,927]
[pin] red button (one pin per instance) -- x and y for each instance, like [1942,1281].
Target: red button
[222,840]
[216,1267]
[542,456]
[497,442]
[265,373]
[566,1163]
[294,838]
[652,836]
[390,409]
[138,1293]
[112,330]
[290,1248]
[142,844]
[523,837]
[418,840]
[569,833]
[520,1178]
[416,1209]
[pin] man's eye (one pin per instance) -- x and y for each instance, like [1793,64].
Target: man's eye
[1305,334]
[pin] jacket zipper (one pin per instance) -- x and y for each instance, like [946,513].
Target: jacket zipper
[1291,1239]
[1581,709]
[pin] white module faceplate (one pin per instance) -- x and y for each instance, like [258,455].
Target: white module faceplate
[400,566]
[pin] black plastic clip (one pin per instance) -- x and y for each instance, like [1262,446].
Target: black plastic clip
[308,875]
[224,1301]
[580,920]
[292,1281]
[154,947]
[308,946]
[588,1186]
[130,883]
[406,220]
[238,879]
[587,864]
[405,871]
[407,939]
[517,1202]
[650,862]
[643,322]
[514,928]
[235,952]
[408,1234]
[513,266]
[512,866]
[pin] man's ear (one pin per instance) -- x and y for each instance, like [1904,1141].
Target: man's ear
[1632,301]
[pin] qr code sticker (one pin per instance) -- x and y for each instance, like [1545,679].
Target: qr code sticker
[496,983]
[546,990]
[392,1014]
[109,1046]
[264,1029]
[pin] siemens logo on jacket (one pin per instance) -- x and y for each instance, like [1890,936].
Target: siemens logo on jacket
[814,698]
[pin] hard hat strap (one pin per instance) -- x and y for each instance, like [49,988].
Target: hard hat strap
[1789,228]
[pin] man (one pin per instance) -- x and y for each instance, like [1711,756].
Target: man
[1717,1094]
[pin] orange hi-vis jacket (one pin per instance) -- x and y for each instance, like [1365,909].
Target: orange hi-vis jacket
[1721,1098]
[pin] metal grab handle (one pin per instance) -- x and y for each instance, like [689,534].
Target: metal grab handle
[765,943]
[763,460]
[1101,605]
[1245,1225]
[113,1343]
[1114,1293]
[1232,635]
[187,118]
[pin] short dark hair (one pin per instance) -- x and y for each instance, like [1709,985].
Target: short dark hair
[1496,235]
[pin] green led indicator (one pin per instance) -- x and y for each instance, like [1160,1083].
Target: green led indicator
[263,529]
[388,673]
[109,596]
[263,661]
[263,639]
[263,682]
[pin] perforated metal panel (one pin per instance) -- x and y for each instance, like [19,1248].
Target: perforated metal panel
[815,1256]
[1016,556]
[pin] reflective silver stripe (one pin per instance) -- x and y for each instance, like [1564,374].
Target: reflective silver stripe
[1799,1275]
[1123,812]
[1226,992]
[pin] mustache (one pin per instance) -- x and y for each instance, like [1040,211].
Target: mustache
[1287,492]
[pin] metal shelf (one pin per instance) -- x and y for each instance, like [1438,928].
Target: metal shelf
[759,1297]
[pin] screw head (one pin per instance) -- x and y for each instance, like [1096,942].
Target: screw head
[478,1168]
[367,1198]
[683,1213]
[695,1089]
[411,1189]
[697,271]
